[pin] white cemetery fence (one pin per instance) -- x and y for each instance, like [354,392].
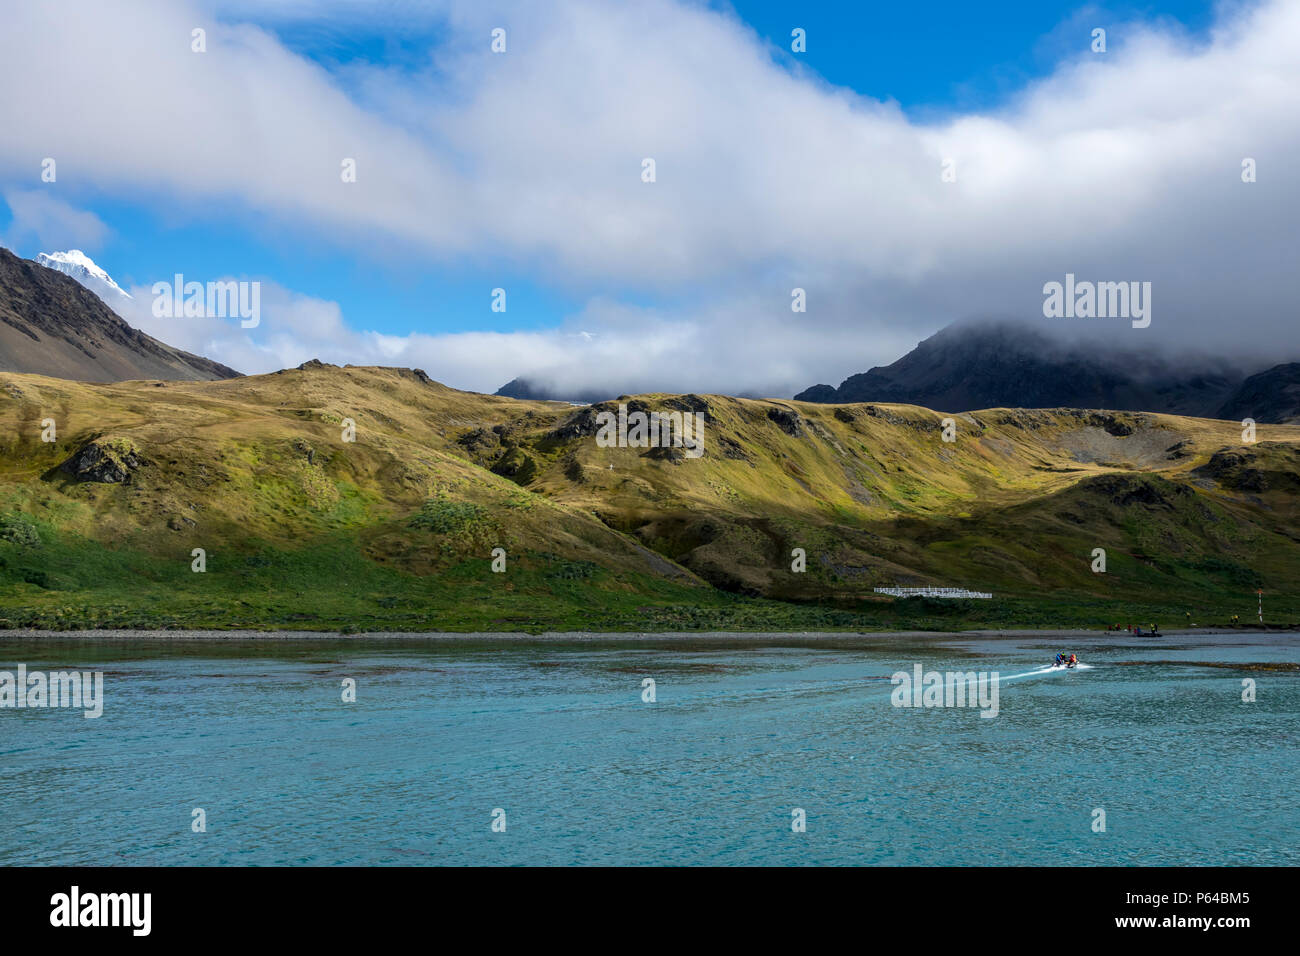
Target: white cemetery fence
[934,592]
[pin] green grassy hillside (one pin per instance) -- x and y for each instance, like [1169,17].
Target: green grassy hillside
[396,529]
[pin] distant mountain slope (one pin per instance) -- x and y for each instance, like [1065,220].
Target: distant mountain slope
[52,325]
[1271,396]
[992,365]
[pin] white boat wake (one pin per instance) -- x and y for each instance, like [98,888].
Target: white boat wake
[1049,669]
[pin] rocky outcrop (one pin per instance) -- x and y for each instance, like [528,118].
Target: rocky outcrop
[580,424]
[787,420]
[1261,468]
[106,460]
[691,403]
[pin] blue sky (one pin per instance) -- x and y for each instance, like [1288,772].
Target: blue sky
[940,57]
[940,65]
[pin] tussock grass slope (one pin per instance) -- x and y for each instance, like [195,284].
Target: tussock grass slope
[396,528]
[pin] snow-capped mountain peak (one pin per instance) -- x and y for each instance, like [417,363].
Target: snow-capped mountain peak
[81,267]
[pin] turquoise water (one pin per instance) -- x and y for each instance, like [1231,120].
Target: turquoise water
[741,734]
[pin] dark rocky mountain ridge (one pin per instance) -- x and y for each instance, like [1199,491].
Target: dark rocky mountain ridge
[970,366]
[1271,397]
[52,325]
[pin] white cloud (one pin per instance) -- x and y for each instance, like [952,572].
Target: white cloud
[49,221]
[608,346]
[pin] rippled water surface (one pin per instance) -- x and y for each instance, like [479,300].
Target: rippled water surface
[741,734]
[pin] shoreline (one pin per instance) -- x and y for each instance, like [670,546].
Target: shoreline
[605,637]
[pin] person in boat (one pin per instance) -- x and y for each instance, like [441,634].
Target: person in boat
[1060,659]
[1073,660]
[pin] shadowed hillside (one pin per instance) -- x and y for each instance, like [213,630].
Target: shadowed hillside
[1271,396]
[397,528]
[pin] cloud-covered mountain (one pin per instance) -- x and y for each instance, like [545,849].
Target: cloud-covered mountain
[531,391]
[976,365]
[52,325]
